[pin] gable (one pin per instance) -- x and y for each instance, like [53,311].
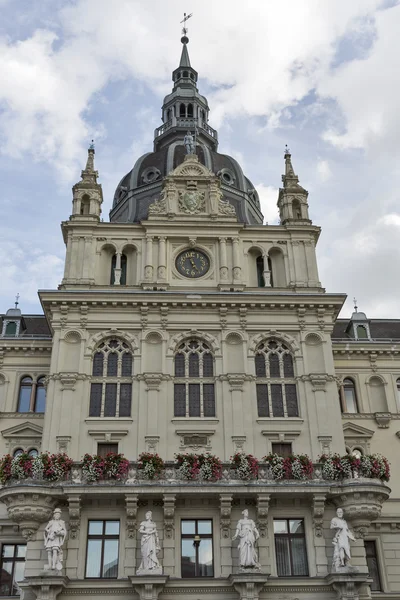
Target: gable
[23,430]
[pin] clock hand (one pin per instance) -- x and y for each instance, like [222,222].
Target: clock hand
[193,265]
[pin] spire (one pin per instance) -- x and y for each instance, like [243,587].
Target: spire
[87,193]
[289,179]
[185,60]
[89,174]
[292,201]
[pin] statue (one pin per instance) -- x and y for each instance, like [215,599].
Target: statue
[247,532]
[149,546]
[188,142]
[54,537]
[341,552]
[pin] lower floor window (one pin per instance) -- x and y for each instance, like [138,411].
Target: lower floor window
[194,400]
[290,548]
[372,562]
[111,399]
[196,548]
[12,568]
[102,549]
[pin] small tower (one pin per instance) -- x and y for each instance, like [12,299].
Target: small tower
[87,193]
[292,200]
[358,327]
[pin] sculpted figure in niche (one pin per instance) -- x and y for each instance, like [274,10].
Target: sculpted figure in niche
[150,546]
[341,544]
[188,142]
[54,537]
[247,533]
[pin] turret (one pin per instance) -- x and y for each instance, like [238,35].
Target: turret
[292,200]
[87,193]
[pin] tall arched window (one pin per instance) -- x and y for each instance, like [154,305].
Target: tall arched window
[190,110]
[276,385]
[348,396]
[111,388]
[194,394]
[182,110]
[123,263]
[260,271]
[32,395]
[296,209]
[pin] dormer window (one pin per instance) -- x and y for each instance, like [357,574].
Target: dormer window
[11,329]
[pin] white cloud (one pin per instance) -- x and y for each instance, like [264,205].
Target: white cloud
[268,198]
[324,170]
[391,219]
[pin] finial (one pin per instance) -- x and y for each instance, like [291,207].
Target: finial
[184,38]
[287,150]
[91,146]
[16,300]
[355,304]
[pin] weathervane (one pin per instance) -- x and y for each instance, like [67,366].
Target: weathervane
[16,300]
[287,150]
[355,304]
[185,18]
[91,146]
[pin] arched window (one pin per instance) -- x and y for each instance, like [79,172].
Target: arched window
[32,395]
[11,329]
[190,110]
[203,115]
[194,394]
[85,205]
[18,452]
[260,271]
[362,333]
[348,396]
[182,110]
[111,388]
[276,385]
[123,263]
[185,74]
[25,394]
[296,209]
[40,396]
[33,452]
[169,114]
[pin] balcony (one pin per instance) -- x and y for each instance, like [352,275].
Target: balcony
[186,123]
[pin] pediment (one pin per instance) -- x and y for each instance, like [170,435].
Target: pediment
[352,430]
[23,430]
[191,167]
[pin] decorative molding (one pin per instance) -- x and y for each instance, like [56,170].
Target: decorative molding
[238,442]
[152,381]
[318,509]
[176,340]
[131,506]
[262,513]
[169,515]
[63,443]
[74,510]
[151,442]
[383,419]
[196,439]
[291,342]
[225,508]
[103,335]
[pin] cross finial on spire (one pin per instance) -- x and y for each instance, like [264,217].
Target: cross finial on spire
[185,18]
[16,300]
[287,150]
[91,145]
[355,304]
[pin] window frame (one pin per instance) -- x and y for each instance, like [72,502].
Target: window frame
[379,570]
[36,383]
[205,536]
[285,454]
[342,396]
[103,537]
[289,536]
[14,559]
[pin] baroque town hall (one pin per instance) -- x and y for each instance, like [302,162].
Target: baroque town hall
[186,326]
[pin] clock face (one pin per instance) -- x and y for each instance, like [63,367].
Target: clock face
[192,263]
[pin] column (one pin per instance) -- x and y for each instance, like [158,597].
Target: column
[152,381]
[169,535]
[72,543]
[236,383]
[225,504]
[266,272]
[87,270]
[264,556]
[237,270]
[148,269]
[117,270]
[161,270]
[131,506]
[223,263]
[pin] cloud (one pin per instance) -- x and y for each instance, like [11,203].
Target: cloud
[268,198]
[324,170]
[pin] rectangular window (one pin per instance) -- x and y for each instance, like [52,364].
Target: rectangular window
[277,400]
[12,568]
[290,548]
[372,562]
[196,548]
[284,450]
[262,400]
[104,449]
[102,550]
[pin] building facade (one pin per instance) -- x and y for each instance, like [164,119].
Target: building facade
[186,326]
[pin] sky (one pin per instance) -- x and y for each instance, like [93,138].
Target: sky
[321,76]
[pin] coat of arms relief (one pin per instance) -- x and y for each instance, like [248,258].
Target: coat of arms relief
[192,202]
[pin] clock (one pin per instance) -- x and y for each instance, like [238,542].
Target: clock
[192,263]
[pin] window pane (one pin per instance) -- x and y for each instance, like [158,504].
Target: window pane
[372,563]
[274,365]
[95,527]
[194,365]
[277,400]
[11,328]
[209,400]
[110,403]
[350,398]
[179,400]
[262,400]
[98,364]
[6,578]
[126,367]
[282,556]
[205,558]
[112,527]
[110,561]
[260,365]
[288,366]
[40,403]
[180,365]
[125,399]
[280,526]
[296,526]
[8,550]
[19,569]
[21,551]
[93,558]
[284,449]
[188,561]
[204,527]
[291,400]
[24,398]
[194,400]
[299,556]
[104,449]
[208,365]
[188,527]
[95,399]
[112,365]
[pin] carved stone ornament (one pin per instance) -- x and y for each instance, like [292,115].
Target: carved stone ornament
[248,585]
[131,506]
[29,508]
[74,510]
[148,587]
[262,513]
[160,205]
[169,515]
[192,202]
[248,535]
[225,514]
[149,547]
[383,419]
[318,508]
[224,206]
[46,587]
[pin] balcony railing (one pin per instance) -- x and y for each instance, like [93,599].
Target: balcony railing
[187,123]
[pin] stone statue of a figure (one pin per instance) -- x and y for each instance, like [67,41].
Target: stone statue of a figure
[150,546]
[188,142]
[247,533]
[341,544]
[54,537]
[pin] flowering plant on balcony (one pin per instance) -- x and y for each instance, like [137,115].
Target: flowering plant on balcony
[375,466]
[44,466]
[205,467]
[335,467]
[338,467]
[112,466]
[150,466]
[245,465]
[295,466]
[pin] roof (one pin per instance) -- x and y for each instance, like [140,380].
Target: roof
[381,329]
[33,326]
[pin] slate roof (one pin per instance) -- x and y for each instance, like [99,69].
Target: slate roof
[381,329]
[32,326]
